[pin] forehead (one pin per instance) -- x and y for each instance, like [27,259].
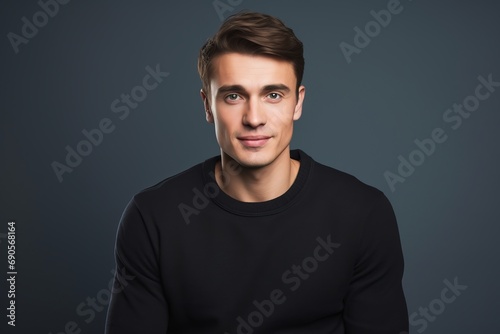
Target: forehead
[251,71]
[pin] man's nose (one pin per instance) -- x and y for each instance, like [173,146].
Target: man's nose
[254,114]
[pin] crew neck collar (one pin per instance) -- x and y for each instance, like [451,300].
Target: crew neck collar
[264,208]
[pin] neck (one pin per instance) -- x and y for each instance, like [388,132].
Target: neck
[256,184]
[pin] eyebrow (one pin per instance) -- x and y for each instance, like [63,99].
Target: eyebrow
[240,89]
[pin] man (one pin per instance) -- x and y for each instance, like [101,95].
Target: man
[261,238]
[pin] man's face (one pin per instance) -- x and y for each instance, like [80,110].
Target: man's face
[253,104]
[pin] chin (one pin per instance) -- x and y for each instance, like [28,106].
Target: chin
[253,159]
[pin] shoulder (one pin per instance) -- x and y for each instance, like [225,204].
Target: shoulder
[171,189]
[343,190]
[337,181]
[365,208]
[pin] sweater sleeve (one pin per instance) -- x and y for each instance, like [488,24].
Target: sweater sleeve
[138,304]
[375,302]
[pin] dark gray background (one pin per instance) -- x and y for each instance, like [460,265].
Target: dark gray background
[358,117]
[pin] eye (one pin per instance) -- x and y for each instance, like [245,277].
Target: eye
[232,97]
[274,96]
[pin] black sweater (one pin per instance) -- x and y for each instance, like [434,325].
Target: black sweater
[324,257]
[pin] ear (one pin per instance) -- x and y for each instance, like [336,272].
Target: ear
[206,104]
[298,107]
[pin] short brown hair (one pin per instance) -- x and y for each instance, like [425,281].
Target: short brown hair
[254,34]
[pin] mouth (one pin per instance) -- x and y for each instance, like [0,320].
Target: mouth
[254,141]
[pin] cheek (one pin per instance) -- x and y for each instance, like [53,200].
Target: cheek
[225,124]
[281,119]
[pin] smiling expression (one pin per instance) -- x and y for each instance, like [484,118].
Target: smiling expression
[253,103]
